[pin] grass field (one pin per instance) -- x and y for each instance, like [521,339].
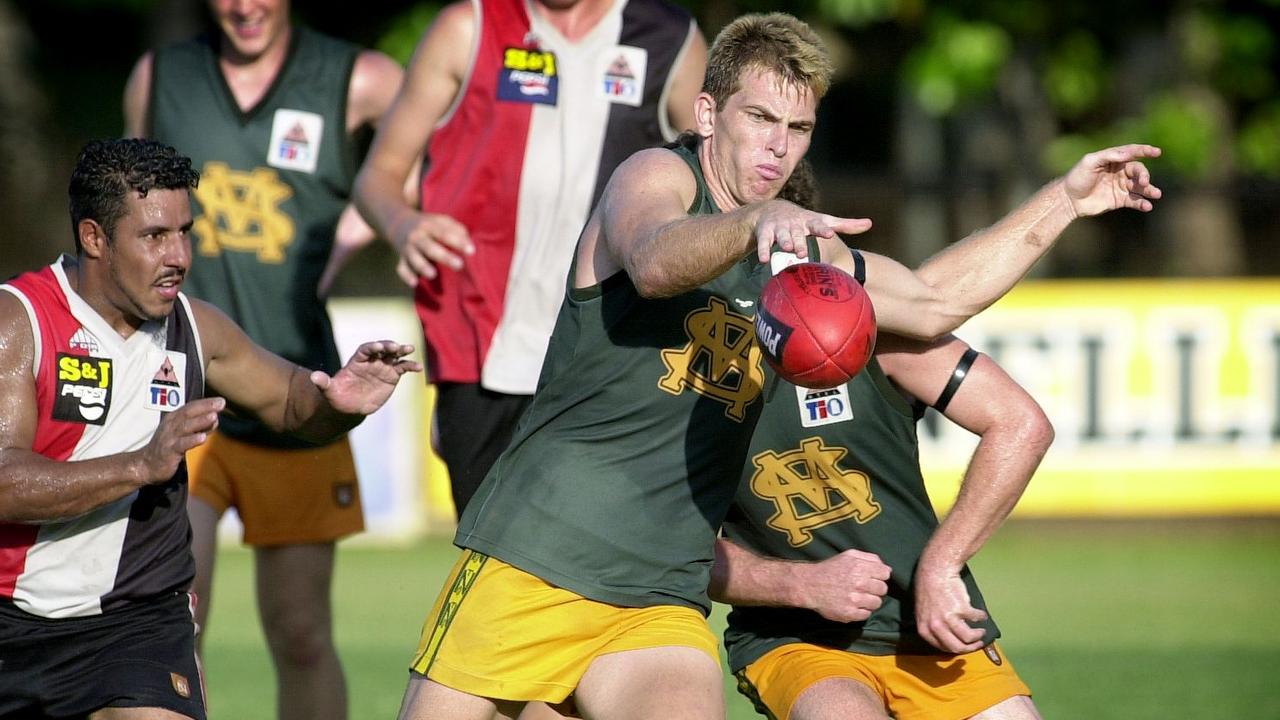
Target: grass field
[1143,619]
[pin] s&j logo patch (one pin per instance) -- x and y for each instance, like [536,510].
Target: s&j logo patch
[83,390]
[528,76]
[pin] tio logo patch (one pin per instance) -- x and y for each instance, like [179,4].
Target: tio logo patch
[823,407]
[165,392]
[622,72]
[295,140]
[83,390]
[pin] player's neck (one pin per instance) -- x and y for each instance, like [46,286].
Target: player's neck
[249,77]
[575,21]
[712,175]
[94,293]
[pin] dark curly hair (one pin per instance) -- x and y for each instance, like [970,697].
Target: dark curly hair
[108,169]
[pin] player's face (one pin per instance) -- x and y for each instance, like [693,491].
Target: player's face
[148,254]
[251,27]
[760,135]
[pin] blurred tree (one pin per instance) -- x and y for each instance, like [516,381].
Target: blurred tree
[28,196]
[943,114]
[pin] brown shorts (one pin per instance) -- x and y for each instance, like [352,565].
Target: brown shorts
[283,497]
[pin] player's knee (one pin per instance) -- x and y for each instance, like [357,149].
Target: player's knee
[300,641]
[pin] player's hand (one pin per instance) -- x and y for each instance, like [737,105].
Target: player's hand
[1111,179]
[943,612]
[366,381]
[426,241]
[178,432]
[788,224]
[846,587]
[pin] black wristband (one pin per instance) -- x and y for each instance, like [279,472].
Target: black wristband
[859,267]
[957,376]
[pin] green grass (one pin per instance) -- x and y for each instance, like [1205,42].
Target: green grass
[1103,620]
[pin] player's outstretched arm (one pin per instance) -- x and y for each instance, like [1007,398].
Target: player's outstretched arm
[644,228]
[970,275]
[1014,435]
[431,84]
[289,398]
[34,488]
[845,588]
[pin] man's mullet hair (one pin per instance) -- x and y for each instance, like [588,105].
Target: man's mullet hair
[773,42]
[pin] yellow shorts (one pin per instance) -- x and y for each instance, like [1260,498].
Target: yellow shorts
[283,497]
[499,632]
[942,687]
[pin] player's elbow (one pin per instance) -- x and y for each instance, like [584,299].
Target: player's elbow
[365,186]
[928,322]
[1031,426]
[653,281]
[651,287]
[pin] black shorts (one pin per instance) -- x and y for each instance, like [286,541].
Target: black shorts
[140,656]
[475,426]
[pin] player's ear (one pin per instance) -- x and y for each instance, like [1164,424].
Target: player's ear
[704,113]
[93,238]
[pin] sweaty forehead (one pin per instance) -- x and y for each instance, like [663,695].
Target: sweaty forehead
[758,86]
[160,207]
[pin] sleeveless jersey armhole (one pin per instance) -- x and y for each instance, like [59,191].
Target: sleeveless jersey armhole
[33,323]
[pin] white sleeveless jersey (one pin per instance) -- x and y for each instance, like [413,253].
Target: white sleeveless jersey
[100,394]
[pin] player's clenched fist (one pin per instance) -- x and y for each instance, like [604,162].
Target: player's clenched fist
[846,587]
[178,432]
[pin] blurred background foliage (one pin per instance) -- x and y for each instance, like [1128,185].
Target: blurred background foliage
[944,114]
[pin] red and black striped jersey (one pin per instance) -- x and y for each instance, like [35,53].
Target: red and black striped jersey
[538,127]
[99,394]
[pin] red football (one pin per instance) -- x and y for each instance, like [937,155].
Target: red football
[816,325]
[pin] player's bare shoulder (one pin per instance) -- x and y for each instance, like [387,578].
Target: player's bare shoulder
[374,82]
[648,173]
[452,34]
[17,373]
[217,331]
[443,57]
[16,337]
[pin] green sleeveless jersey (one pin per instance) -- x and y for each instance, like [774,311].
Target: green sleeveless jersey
[273,181]
[831,470]
[622,468]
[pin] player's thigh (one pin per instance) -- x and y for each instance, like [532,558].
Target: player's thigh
[1019,707]
[800,680]
[426,699]
[838,699]
[668,682]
